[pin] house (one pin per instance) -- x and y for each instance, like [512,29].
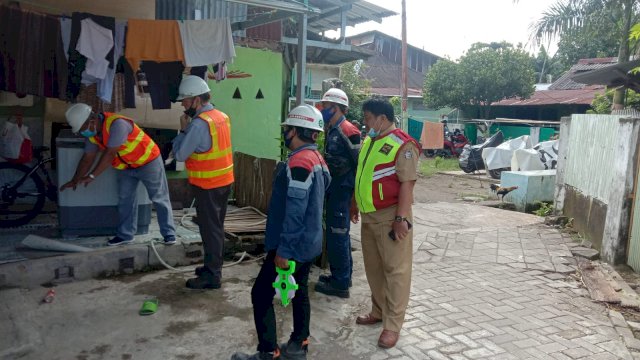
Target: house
[562,98]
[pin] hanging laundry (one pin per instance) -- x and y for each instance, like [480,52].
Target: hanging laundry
[432,136]
[65,34]
[199,71]
[54,60]
[220,71]
[106,85]
[153,40]
[95,42]
[163,81]
[29,60]
[207,41]
[77,61]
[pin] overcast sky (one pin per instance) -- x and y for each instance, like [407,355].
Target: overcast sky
[449,27]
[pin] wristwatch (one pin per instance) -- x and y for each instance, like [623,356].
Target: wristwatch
[400,219]
[93,177]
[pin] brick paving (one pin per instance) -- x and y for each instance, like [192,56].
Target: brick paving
[502,291]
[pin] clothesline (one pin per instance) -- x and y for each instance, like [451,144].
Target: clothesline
[87,49]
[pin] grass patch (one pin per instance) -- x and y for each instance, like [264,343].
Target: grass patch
[430,166]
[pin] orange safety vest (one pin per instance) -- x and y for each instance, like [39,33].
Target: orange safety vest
[214,167]
[138,150]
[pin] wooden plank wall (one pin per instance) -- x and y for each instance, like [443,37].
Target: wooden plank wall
[253,180]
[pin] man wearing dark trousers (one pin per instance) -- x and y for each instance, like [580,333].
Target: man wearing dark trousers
[204,143]
[342,146]
[294,232]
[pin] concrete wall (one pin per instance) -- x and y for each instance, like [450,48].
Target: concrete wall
[596,165]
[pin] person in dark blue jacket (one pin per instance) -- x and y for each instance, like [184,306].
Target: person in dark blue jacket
[342,146]
[294,232]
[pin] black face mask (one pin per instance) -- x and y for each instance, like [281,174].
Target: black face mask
[191,112]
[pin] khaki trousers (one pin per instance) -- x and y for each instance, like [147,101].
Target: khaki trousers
[387,264]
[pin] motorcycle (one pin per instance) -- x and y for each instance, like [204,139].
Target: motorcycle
[471,158]
[453,145]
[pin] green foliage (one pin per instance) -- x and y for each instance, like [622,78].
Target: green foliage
[485,74]
[602,103]
[356,87]
[545,208]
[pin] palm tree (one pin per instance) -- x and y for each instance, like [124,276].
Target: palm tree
[589,15]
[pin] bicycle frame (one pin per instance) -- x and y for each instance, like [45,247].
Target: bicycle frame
[34,168]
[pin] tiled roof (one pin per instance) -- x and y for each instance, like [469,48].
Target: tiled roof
[554,97]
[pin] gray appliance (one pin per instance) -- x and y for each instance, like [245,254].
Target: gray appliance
[91,210]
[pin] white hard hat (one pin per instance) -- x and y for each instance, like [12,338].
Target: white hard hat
[305,116]
[336,96]
[191,86]
[76,115]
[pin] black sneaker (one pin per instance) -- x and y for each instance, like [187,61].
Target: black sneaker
[328,288]
[257,356]
[294,350]
[327,278]
[118,241]
[170,240]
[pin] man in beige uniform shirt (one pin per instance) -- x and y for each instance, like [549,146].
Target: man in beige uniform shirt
[385,179]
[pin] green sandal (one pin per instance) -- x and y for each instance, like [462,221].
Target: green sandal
[149,307]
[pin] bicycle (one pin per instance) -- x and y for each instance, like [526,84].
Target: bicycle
[22,190]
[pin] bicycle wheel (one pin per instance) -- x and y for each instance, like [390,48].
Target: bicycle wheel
[19,204]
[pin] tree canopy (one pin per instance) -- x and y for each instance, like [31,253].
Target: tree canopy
[486,73]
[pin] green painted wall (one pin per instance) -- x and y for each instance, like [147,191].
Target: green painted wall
[255,123]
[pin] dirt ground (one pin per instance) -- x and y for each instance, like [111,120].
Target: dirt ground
[447,188]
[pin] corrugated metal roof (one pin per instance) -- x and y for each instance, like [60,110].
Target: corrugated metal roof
[391,91]
[554,97]
[209,9]
[361,12]
[383,73]
[565,82]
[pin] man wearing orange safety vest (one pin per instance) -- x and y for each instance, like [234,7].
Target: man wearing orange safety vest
[123,145]
[204,143]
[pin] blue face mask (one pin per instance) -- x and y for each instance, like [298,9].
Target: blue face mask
[373,133]
[88,133]
[327,113]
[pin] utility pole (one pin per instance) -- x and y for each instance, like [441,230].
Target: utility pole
[302,57]
[403,86]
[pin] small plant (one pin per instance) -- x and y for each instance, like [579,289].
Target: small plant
[437,161]
[545,208]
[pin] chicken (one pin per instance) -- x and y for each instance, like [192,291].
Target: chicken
[499,190]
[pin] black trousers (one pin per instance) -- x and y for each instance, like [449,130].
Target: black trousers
[211,209]
[264,316]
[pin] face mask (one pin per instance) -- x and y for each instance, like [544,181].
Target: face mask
[88,133]
[327,113]
[287,141]
[373,133]
[191,112]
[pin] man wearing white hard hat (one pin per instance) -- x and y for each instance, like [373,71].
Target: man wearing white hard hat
[342,145]
[204,143]
[125,147]
[294,232]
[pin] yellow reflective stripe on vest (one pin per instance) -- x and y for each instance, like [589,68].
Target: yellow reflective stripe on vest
[214,134]
[131,145]
[211,155]
[208,174]
[147,153]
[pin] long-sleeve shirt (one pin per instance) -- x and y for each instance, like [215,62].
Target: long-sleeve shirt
[294,223]
[342,147]
[195,138]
